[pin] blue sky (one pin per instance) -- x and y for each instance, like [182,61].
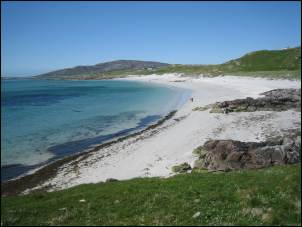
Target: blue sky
[38,37]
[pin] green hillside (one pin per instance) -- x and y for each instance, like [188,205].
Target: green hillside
[266,60]
[265,63]
[83,72]
[270,196]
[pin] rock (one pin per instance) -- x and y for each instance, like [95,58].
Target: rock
[293,157]
[200,152]
[216,110]
[225,155]
[198,163]
[196,215]
[111,180]
[251,109]
[277,156]
[288,141]
[298,143]
[274,100]
[267,217]
[253,211]
[201,108]
[182,168]
[196,200]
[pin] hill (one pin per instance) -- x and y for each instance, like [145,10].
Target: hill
[284,63]
[82,72]
[265,63]
[266,60]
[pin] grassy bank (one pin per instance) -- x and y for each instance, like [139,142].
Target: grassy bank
[267,196]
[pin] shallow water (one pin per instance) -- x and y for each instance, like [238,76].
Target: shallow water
[45,120]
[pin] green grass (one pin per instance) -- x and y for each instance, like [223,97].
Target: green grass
[267,60]
[273,64]
[267,196]
[282,74]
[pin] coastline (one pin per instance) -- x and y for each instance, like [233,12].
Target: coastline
[75,147]
[152,151]
[58,149]
[43,173]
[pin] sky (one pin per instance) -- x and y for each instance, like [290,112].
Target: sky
[38,37]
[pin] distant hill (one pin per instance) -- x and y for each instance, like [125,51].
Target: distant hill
[102,68]
[284,63]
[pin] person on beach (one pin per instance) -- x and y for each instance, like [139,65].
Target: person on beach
[191,99]
[226,109]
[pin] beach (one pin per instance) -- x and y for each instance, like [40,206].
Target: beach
[153,152]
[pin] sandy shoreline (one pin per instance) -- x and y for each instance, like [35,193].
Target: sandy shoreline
[153,152]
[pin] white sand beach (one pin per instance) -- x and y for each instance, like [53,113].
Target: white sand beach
[154,152]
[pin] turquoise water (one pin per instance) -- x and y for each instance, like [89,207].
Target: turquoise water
[45,120]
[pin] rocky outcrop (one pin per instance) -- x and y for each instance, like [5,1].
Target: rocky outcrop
[111,180]
[234,155]
[182,168]
[228,155]
[274,100]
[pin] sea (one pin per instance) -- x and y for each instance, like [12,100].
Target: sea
[46,120]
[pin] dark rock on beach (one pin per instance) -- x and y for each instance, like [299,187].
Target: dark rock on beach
[228,155]
[182,168]
[274,100]
[111,180]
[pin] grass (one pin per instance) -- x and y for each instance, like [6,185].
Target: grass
[269,196]
[267,60]
[282,74]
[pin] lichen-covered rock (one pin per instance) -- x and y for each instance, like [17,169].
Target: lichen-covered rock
[274,100]
[216,110]
[199,163]
[111,180]
[202,108]
[182,168]
[200,152]
[233,155]
[298,143]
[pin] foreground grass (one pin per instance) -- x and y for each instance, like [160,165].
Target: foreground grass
[267,196]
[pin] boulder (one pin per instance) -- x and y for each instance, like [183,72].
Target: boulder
[182,168]
[234,155]
[111,180]
[198,163]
